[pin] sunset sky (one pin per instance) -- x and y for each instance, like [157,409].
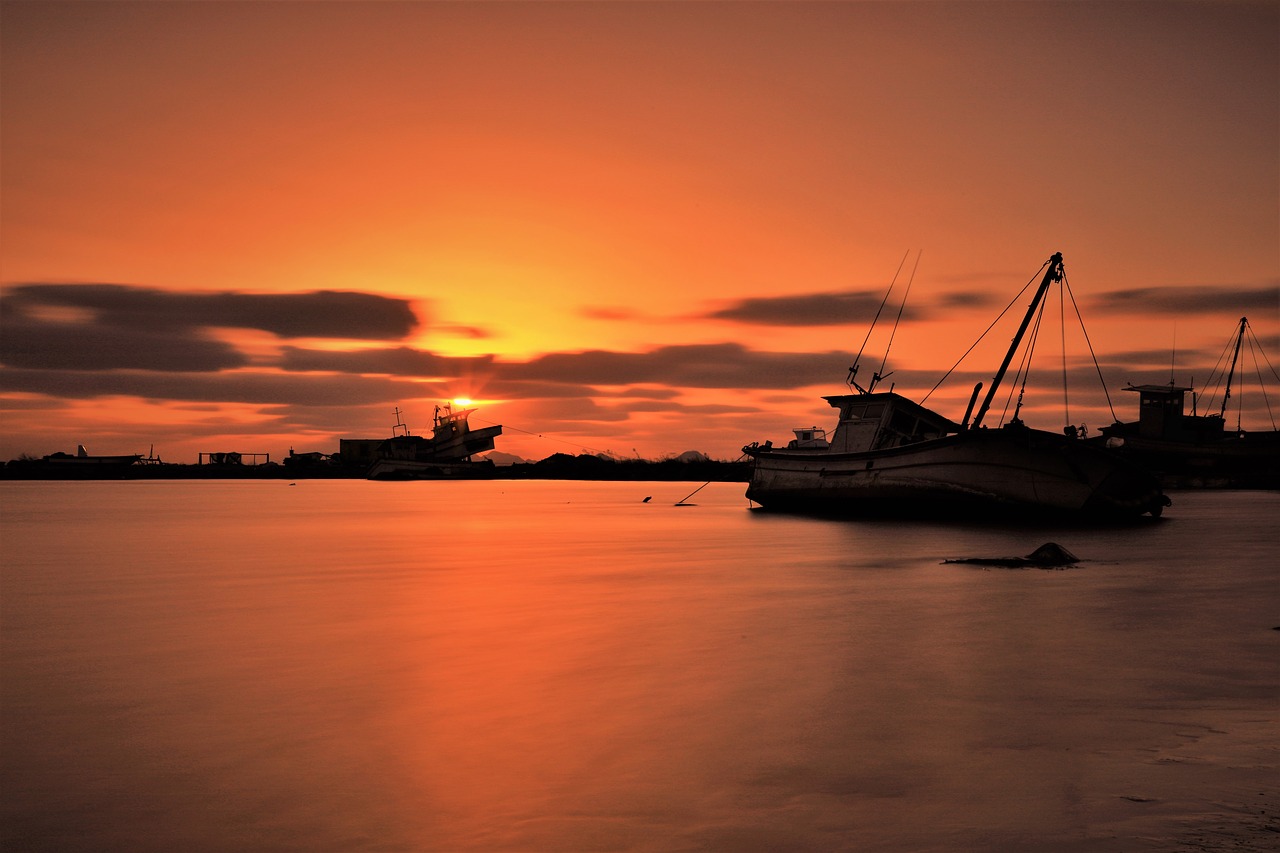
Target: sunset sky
[640,228]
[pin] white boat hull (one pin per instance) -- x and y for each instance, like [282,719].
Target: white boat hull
[1013,469]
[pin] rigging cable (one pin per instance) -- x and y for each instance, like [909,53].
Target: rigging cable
[879,373]
[854,370]
[1262,386]
[593,450]
[1215,376]
[984,333]
[1089,344]
[1024,367]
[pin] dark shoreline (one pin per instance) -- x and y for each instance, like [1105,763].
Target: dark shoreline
[557,467]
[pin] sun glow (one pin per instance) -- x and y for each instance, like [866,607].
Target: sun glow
[461,402]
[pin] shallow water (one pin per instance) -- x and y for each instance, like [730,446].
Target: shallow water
[557,666]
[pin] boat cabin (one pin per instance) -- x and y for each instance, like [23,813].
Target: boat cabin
[809,438]
[879,421]
[1161,415]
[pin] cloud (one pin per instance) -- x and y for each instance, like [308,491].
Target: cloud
[968,299]
[810,309]
[399,361]
[315,314]
[41,345]
[1190,300]
[105,327]
[726,365]
[254,387]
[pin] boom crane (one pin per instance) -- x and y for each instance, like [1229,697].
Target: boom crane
[1051,275]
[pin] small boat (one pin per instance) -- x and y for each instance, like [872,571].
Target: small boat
[1195,450]
[891,455]
[445,454]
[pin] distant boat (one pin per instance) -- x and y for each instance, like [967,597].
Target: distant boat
[83,458]
[81,465]
[446,453]
[1194,450]
[891,455]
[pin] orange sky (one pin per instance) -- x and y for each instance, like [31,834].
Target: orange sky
[635,227]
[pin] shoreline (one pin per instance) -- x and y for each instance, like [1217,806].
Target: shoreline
[557,467]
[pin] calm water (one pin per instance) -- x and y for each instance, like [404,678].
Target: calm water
[548,666]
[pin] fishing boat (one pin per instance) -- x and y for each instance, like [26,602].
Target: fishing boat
[83,459]
[1195,450]
[891,455]
[81,465]
[446,453]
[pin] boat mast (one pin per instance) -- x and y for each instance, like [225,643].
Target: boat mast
[1051,275]
[400,428]
[1244,321]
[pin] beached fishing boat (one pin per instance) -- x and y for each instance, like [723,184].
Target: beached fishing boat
[1200,450]
[891,455]
[446,452]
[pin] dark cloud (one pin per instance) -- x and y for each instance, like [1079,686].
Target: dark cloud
[1190,300]
[727,365]
[648,393]
[569,414]
[316,314]
[968,299]
[104,327]
[27,343]
[399,361]
[523,389]
[811,309]
[253,387]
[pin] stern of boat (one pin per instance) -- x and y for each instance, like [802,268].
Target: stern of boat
[1128,492]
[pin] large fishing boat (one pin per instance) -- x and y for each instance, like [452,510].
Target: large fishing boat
[891,455]
[1200,450]
[446,452]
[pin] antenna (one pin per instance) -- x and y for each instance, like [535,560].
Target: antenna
[853,371]
[400,428]
[879,374]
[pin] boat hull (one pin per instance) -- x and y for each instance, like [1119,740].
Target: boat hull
[414,458]
[438,470]
[995,473]
[1250,461]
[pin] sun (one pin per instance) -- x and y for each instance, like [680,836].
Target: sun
[461,402]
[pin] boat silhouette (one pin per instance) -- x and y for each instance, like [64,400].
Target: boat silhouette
[891,455]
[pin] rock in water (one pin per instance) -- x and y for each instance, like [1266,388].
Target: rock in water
[1051,554]
[1048,554]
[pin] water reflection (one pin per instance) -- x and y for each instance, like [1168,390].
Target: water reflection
[348,666]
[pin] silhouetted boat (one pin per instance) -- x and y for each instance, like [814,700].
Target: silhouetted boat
[1195,451]
[891,455]
[81,465]
[83,459]
[446,453]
